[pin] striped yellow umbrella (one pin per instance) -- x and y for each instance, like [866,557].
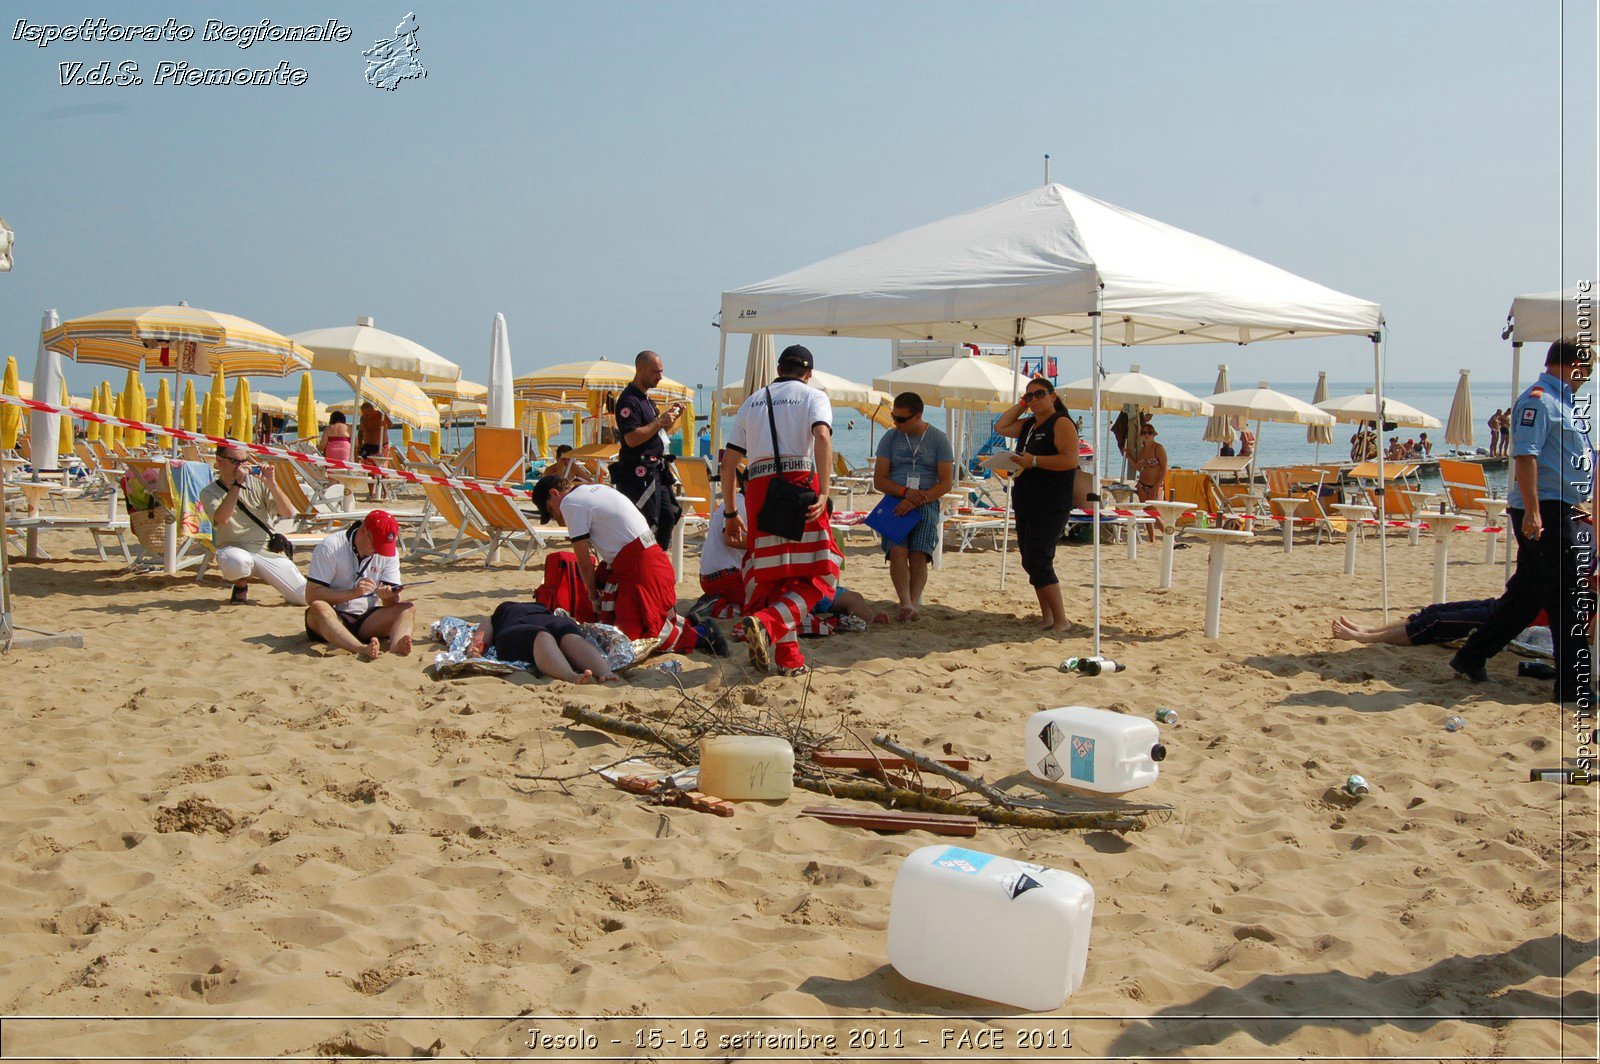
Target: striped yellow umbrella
[306,409]
[163,405]
[216,420]
[594,375]
[178,338]
[66,423]
[10,416]
[186,415]
[133,391]
[452,390]
[241,420]
[402,400]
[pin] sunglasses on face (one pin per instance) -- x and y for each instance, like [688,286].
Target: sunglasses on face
[901,419]
[1031,396]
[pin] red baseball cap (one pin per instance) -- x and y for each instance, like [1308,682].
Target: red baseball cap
[385,533]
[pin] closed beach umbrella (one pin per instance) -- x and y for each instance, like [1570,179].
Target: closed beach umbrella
[306,409]
[436,443]
[10,416]
[91,430]
[1458,429]
[66,422]
[119,407]
[136,409]
[44,430]
[187,418]
[1219,429]
[760,364]
[1320,434]
[502,411]
[164,405]
[405,438]
[541,435]
[217,407]
[577,430]
[241,420]
[686,426]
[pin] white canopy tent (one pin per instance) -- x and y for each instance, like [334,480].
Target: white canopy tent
[1050,266]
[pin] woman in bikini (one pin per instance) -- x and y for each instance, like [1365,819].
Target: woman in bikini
[1151,467]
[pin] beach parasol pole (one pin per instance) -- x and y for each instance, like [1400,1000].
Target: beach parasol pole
[1099,301]
[1383,540]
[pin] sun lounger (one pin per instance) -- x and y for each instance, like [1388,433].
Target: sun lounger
[27,529]
[1465,485]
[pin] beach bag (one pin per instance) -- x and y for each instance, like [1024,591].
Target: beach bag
[893,528]
[277,542]
[563,588]
[783,511]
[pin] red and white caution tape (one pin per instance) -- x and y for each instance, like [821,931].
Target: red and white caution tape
[364,468]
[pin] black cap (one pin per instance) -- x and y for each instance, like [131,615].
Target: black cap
[541,496]
[796,356]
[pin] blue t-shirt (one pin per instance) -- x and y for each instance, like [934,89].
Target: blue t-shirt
[915,458]
[1545,425]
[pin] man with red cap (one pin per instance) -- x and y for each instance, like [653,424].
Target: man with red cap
[633,587]
[353,589]
[786,432]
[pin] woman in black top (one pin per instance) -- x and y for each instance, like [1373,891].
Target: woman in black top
[1043,495]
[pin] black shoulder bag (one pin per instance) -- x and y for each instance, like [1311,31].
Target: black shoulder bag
[783,511]
[277,542]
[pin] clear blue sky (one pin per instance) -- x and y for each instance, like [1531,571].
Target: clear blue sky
[602,172]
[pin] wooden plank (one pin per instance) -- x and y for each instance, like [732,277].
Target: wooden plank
[910,779]
[841,759]
[887,820]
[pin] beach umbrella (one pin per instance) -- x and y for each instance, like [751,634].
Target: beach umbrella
[577,430]
[135,408]
[362,350]
[241,421]
[1261,403]
[186,412]
[44,430]
[217,407]
[401,400]
[449,391]
[541,434]
[1320,434]
[1458,427]
[177,338]
[436,443]
[10,416]
[163,416]
[306,409]
[502,412]
[91,430]
[593,376]
[1364,407]
[687,428]
[760,364]
[1135,388]
[1219,429]
[405,438]
[960,383]
[66,422]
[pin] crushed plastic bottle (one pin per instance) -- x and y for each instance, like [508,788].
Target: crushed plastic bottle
[1454,723]
[671,668]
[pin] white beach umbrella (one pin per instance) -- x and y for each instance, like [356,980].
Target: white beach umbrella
[1458,427]
[1320,434]
[1218,429]
[961,383]
[761,364]
[1261,403]
[1364,407]
[44,430]
[1135,388]
[502,410]
[839,390]
[363,350]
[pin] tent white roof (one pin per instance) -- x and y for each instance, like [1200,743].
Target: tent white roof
[1024,271]
[1546,315]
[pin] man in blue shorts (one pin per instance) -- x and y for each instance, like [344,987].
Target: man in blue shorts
[916,465]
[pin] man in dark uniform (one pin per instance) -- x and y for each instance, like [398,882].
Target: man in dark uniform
[1552,472]
[643,469]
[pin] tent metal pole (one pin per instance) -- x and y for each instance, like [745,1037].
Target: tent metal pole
[1383,540]
[716,414]
[1099,458]
[1516,390]
[1005,528]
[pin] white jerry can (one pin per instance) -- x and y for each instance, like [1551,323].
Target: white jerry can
[990,927]
[1093,749]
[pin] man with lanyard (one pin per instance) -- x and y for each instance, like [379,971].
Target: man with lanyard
[633,587]
[1552,472]
[353,589]
[790,439]
[916,465]
[643,469]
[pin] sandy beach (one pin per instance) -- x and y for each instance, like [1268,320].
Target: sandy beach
[208,818]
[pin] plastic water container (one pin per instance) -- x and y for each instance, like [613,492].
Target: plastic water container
[1093,749]
[746,766]
[990,927]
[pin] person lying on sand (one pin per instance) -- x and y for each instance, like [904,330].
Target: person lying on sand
[553,643]
[353,590]
[1442,622]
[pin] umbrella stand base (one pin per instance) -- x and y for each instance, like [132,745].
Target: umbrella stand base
[38,640]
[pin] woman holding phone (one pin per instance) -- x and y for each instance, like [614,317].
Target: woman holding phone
[1043,495]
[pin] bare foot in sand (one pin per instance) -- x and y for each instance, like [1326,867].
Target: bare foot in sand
[587,677]
[907,613]
[371,651]
[401,646]
[881,617]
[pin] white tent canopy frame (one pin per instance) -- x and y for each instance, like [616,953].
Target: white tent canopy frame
[1050,266]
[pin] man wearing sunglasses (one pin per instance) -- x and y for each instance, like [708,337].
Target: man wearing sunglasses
[241,508]
[916,465]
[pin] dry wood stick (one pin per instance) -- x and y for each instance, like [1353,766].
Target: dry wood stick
[617,726]
[900,798]
[928,764]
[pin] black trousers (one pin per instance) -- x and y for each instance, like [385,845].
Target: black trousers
[1039,531]
[661,511]
[1552,574]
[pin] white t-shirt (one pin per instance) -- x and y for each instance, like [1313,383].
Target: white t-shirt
[605,517]
[797,408]
[716,555]
[335,564]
